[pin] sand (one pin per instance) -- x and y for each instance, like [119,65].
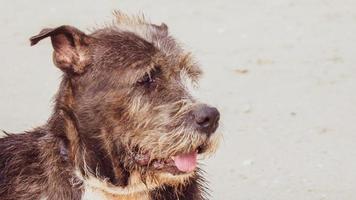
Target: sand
[282,73]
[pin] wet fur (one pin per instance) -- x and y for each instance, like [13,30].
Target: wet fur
[101,118]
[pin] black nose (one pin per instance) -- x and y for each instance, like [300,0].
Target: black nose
[206,118]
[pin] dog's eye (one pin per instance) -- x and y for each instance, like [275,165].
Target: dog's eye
[150,77]
[146,79]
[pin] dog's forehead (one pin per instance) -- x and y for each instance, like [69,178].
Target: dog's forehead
[133,42]
[154,34]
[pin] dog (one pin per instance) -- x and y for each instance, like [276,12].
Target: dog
[123,127]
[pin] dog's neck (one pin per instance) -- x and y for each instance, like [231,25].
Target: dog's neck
[135,189]
[92,193]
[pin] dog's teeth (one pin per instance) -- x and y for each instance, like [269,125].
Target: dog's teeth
[158,165]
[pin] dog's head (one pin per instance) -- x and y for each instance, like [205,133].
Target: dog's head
[126,100]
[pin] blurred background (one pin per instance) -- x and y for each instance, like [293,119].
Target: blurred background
[282,73]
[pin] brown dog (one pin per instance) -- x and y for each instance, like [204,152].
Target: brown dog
[124,125]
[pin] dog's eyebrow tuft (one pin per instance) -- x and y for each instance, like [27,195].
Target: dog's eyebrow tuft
[190,67]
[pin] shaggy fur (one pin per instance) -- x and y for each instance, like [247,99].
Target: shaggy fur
[122,109]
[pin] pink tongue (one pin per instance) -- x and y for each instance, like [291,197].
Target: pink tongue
[186,162]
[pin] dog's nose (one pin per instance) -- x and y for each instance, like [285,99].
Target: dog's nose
[206,118]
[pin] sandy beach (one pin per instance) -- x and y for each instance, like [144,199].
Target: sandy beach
[282,73]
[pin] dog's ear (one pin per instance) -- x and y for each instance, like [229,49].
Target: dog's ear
[71,47]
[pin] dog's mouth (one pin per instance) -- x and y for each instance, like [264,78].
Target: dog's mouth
[181,163]
[178,164]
